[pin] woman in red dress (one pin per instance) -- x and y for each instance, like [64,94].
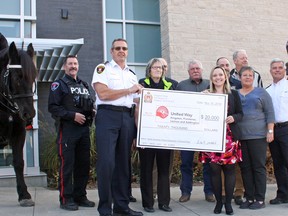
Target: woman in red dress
[219,84]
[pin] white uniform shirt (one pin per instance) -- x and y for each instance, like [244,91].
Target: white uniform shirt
[279,94]
[115,78]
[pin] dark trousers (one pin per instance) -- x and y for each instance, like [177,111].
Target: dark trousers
[186,168]
[147,157]
[74,155]
[114,136]
[228,183]
[279,153]
[253,168]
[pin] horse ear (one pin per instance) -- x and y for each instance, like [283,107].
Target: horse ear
[30,50]
[3,42]
[13,52]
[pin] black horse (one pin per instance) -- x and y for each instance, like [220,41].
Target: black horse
[17,78]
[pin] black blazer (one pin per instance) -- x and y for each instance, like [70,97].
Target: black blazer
[235,110]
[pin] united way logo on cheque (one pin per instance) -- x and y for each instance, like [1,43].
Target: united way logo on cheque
[162,112]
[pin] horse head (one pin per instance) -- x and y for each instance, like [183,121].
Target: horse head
[18,80]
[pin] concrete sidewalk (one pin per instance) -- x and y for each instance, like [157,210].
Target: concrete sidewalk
[47,204]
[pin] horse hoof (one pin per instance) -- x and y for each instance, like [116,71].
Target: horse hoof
[26,202]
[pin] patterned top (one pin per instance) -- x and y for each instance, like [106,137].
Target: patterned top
[232,154]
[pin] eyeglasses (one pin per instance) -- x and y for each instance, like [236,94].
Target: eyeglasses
[156,67]
[119,48]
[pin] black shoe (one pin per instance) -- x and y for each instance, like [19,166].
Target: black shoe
[165,208]
[132,199]
[128,212]
[229,209]
[238,200]
[218,208]
[70,206]
[85,202]
[246,204]
[149,209]
[257,205]
[277,201]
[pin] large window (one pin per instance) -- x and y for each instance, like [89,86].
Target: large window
[138,21]
[17,18]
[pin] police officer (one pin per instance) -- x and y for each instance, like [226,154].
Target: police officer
[71,105]
[116,90]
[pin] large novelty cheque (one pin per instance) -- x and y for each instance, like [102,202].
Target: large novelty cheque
[182,120]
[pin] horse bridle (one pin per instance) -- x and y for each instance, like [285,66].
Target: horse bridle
[10,104]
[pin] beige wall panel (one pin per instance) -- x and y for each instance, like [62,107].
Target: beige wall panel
[208,29]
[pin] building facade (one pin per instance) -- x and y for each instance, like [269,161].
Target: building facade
[207,30]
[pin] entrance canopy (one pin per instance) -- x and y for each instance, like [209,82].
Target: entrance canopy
[50,54]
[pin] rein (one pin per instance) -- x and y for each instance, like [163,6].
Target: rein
[8,98]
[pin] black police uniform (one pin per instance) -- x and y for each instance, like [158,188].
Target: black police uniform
[68,96]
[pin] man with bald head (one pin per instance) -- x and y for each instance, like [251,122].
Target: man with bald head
[224,63]
[165,65]
[240,59]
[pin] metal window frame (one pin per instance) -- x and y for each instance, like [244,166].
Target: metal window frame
[22,18]
[124,23]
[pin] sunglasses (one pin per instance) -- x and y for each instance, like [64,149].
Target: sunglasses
[119,48]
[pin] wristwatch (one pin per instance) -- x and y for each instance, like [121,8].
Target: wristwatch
[270,131]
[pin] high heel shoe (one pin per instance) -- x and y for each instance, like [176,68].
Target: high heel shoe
[218,208]
[229,209]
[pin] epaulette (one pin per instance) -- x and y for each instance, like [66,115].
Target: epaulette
[65,80]
[268,86]
[132,71]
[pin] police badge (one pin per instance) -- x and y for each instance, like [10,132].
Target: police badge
[100,68]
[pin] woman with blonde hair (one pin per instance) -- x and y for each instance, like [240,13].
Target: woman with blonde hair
[225,162]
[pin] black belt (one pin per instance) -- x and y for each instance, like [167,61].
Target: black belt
[115,108]
[281,124]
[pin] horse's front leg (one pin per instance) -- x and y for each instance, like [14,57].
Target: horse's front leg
[17,143]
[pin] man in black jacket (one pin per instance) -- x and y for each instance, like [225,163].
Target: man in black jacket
[71,106]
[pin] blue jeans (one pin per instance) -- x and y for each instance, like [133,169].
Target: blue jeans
[186,168]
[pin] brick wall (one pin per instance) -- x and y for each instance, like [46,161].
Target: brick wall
[207,29]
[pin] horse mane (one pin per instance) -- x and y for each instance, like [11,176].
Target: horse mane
[28,67]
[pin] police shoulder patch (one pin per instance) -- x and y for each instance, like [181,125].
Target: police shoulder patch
[54,86]
[100,68]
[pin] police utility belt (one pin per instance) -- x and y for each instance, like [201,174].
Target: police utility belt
[118,108]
